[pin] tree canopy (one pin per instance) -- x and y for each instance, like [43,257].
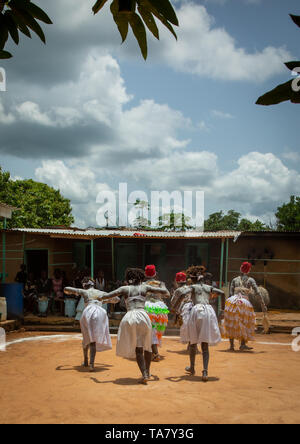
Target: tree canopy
[288,215]
[232,221]
[22,15]
[39,204]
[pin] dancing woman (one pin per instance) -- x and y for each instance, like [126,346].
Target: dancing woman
[239,316]
[181,305]
[94,321]
[135,331]
[203,325]
[157,310]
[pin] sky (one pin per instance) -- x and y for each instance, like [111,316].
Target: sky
[84,113]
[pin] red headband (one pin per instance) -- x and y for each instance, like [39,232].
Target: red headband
[150,271]
[181,277]
[246,267]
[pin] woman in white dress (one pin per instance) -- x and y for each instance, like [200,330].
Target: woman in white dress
[203,327]
[100,285]
[94,321]
[135,331]
[181,304]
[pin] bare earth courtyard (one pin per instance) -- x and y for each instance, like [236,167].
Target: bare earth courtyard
[42,382]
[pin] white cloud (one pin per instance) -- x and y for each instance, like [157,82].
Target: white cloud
[222,114]
[260,180]
[30,112]
[208,51]
[292,156]
[5,118]
[255,186]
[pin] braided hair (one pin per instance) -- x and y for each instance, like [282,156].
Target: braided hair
[194,272]
[88,282]
[134,276]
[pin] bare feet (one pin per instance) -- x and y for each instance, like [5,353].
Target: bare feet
[245,348]
[204,376]
[144,379]
[190,370]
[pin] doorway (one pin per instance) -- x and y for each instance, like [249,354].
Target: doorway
[126,256]
[36,262]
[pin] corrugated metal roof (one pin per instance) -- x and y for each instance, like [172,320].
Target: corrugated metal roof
[129,233]
[4,205]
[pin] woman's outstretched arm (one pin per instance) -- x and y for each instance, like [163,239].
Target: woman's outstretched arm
[118,293]
[77,291]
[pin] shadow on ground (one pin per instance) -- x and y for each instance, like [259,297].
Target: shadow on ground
[81,369]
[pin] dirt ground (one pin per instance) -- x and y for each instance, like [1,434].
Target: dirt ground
[41,382]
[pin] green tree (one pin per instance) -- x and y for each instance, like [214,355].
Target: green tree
[288,215]
[22,15]
[289,90]
[141,221]
[232,221]
[39,205]
[174,222]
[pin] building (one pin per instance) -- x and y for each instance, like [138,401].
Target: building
[275,255]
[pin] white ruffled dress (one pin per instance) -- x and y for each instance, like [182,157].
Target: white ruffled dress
[203,325]
[135,331]
[95,327]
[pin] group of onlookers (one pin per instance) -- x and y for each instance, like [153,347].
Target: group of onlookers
[43,288]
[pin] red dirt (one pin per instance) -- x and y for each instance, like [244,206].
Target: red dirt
[41,382]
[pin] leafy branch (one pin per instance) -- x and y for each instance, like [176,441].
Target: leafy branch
[289,90]
[139,15]
[20,16]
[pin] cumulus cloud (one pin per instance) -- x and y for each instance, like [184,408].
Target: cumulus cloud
[255,186]
[208,51]
[91,114]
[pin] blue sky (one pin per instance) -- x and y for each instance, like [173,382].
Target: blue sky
[84,113]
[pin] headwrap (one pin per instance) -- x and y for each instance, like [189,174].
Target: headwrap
[150,271]
[246,267]
[181,277]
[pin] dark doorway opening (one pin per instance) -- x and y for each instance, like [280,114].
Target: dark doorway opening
[37,261]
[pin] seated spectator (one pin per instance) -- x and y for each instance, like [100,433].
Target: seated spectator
[44,289]
[30,295]
[57,289]
[21,276]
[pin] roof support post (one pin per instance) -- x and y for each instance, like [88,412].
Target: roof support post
[92,259]
[113,258]
[4,250]
[226,261]
[221,273]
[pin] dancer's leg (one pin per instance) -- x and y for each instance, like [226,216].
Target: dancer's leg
[85,356]
[140,359]
[193,352]
[244,347]
[231,348]
[205,353]
[148,358]
[155,354]
[92,355]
